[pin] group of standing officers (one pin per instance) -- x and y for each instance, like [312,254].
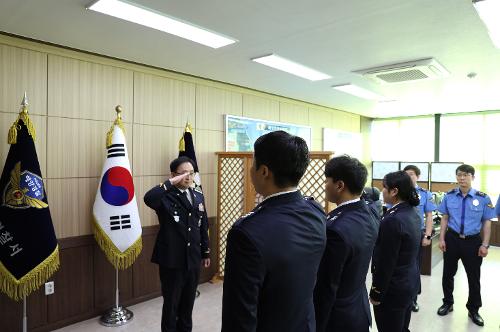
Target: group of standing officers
[289,267]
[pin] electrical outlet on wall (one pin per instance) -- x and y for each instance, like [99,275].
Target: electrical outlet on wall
[49,288]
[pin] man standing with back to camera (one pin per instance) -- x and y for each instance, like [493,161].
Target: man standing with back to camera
[273,253]
[340,296]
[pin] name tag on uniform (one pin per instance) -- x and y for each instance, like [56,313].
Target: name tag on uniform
[177,218]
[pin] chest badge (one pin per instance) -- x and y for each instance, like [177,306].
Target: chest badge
[177,218]
[201,208]
[475,202]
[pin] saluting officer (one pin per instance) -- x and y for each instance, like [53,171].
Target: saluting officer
[425,208]
[340,297]
[273,253]
[181,243]
[465,210]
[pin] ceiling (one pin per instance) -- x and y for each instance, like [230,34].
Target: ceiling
[332,36]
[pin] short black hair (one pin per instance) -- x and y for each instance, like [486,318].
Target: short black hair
[286,156]
[178,161]
[349,170]
[412,168]
[406,190]
[466,169]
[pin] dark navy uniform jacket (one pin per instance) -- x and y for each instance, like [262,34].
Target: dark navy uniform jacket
[272,258]
[340,297]
[394,268]
[183,237]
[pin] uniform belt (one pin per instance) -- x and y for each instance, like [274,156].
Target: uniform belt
[451,231]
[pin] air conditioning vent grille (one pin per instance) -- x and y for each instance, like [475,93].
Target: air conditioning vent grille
[402,76]
[405,72]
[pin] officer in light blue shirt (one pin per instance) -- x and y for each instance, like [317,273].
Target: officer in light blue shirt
[465,211]
[497,208]
[425,208]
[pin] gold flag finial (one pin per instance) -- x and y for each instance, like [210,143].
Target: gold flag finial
[23,115]
[188,128]
[118,122]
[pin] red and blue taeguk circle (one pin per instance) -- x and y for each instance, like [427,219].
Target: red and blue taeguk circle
[117,186]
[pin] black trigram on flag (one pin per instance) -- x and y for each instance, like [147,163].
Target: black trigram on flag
[116,150]
[119,222]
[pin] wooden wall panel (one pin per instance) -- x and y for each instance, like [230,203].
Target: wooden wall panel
[206,143]
[209,183]
[163,101]
[213,103]
[319,119]
[77,148]
[73,285]
[22,70]
[293,113]
[105,282]
[155,148]
[261,108]
[142,185]
[71,201]
[80,89]
[146,276]
[40,123]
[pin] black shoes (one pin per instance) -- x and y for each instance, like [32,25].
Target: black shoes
[476,318]
[414,306]
[445,309]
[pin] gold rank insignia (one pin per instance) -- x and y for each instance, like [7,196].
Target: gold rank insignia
[490,205]
[24,190]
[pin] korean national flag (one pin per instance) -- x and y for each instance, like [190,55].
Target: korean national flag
[117,227]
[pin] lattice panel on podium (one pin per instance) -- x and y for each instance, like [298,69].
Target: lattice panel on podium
[313,182]
[232,201]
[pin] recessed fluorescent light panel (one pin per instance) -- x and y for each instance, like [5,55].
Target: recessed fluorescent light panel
[489,11]
[358,91]
[291,67]
[152,19]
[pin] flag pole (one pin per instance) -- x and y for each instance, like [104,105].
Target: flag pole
[25,316]
[117,292]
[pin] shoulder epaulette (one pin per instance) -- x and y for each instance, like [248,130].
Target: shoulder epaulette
[480,193]
[251,213]
[454,190]
[309,198]
[198,189]
[423,189]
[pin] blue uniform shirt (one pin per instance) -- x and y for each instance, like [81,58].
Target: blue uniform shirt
[497,207]
[469,211]
[426,204]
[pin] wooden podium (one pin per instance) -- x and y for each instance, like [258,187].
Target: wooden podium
[236,195]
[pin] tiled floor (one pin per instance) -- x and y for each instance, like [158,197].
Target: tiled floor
[207,311]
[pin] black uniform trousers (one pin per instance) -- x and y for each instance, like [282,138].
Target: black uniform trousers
[466,250]
[178,287]
[390,318]
[419,264]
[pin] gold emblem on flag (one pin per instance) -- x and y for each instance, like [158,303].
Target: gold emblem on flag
[24,190]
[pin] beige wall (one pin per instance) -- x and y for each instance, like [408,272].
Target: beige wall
[72,97]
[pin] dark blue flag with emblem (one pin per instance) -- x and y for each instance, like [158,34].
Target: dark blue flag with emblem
[186,149]
[29,253]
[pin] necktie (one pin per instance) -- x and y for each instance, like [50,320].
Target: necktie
[188,196]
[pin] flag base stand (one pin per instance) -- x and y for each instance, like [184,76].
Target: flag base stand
[117,316]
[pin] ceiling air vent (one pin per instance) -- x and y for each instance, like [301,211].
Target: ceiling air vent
[424,69]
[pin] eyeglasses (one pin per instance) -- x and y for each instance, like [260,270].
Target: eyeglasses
[189,174]
[463,175]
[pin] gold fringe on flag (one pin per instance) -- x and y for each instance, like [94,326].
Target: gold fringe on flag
[182,143]
[120,260]
[18,289]
[118,122]
[23,116]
